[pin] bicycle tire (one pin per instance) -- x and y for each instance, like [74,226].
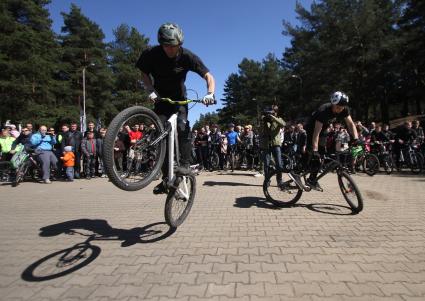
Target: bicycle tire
[108,152]
[20,174]
[370,164]
[388,164]
[173,198]
[417,164]
[277,200]
[352,187]
[286,163]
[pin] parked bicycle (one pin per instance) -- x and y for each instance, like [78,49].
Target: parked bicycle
[411,157]
[294,184]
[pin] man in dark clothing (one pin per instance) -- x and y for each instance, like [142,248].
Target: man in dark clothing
[75,140]
[418,130]
[168,64]
[24,138]
[91,129]
[404,136]
[319,121]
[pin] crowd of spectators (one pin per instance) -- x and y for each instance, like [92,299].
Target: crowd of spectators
[72,154]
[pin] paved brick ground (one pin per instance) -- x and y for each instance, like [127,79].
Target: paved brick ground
[234,245]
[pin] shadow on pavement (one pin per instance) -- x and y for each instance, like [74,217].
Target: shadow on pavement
[333,209]
[66,261]
[250,201]
[214,183]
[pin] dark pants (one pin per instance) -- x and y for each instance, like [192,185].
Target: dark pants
[90,166]
[277,155]
[77,167]
[184,135]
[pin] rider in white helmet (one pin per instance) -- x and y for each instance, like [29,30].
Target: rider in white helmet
[337,109]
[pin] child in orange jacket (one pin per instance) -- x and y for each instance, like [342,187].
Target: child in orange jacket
[69,162]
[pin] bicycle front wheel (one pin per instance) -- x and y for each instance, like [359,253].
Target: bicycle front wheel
[133,158]
[180,200]
[282,193]
[350,191]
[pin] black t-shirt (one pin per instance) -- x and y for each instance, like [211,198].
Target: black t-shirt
[169,74]
[324,115]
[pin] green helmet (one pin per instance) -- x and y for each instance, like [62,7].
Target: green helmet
[170,34]
[356,150]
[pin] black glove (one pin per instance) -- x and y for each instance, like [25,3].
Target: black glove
[315,155]
[354,142]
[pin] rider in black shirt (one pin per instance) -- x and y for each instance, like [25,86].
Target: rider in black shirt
[164,69]
[318,122]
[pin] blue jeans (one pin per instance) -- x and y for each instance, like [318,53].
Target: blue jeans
[70,173]
[277,155]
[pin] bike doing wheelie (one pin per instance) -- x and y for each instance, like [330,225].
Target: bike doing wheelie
[146,156]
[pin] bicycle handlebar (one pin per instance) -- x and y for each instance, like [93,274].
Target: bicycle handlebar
[182,102]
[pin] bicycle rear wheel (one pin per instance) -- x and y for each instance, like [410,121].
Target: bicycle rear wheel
[132,165]
[350,191]
[371,164]
[282,194]
[180,200]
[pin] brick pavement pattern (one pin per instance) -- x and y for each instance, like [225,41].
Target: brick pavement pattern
[233,246]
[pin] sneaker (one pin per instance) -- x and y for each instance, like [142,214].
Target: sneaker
[160,188]
[47,181]
[314,185]
[257,175]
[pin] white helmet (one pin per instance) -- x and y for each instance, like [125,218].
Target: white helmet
[339,98]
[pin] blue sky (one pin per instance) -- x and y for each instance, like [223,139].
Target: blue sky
[221,32]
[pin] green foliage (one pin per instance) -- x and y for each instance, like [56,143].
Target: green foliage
[206,119]
[28,60]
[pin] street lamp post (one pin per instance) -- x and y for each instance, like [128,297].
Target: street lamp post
[301,85]
[83,125]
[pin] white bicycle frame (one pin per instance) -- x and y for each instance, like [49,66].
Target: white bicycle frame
[173,152]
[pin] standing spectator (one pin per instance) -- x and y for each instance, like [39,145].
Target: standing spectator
[119,150]
[418,130]
[43,144]
[99,144]
[223,151]
[76,138]
[6,142]
[362,131]
[232,140]
[30,127]
[387,132]
[24,139]
[68,162]
[270,140]
[91,129]
[300,139]
[13,131]
[88,147]
[247,138]
[134,133]
[202,142]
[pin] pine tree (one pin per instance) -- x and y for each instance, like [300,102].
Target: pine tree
[123,54]
[29,61]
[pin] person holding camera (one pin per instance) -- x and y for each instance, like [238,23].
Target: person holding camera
[270,141]
[42,142]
